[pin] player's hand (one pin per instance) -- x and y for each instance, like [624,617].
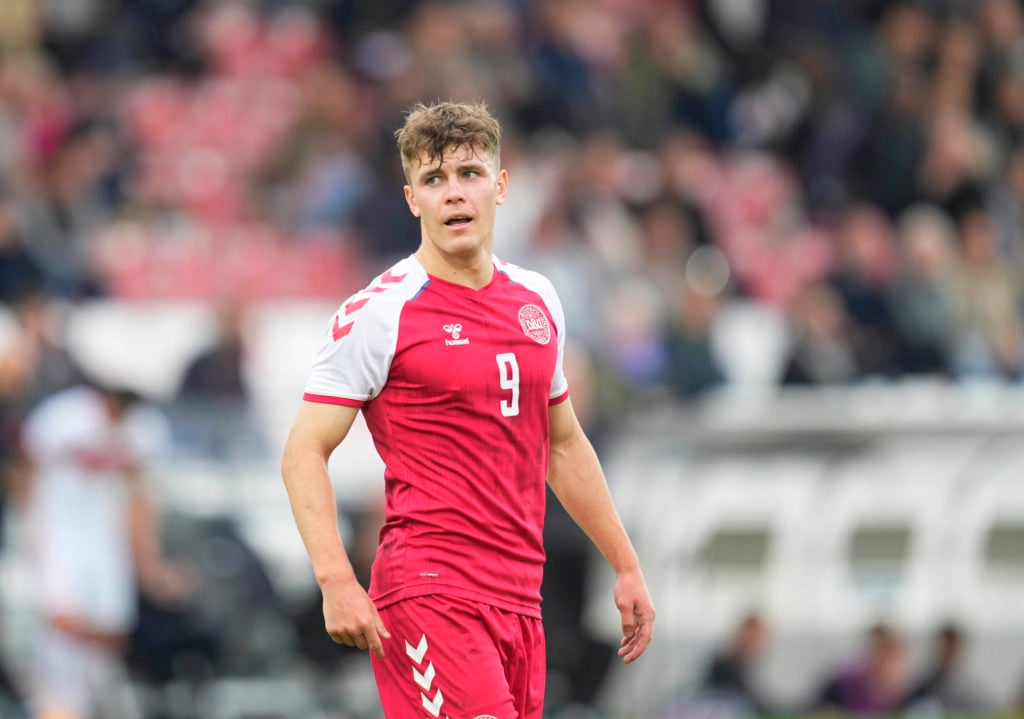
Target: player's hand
[637,610]
[351,618]
[168,583]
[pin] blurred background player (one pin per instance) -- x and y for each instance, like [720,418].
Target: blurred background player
[95,541]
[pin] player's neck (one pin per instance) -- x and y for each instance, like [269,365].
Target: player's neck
[475,271]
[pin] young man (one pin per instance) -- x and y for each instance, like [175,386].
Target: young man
[455,359]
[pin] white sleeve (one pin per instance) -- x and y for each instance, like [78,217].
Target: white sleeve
[56,424]
[559,383]
[355,356]
[542,286]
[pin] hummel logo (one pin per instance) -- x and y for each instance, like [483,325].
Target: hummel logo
[454,329]
[416,653]
[433,705]
[425,679]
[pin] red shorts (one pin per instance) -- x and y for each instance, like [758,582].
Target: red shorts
[450,658]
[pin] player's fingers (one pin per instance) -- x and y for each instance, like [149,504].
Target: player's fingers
[374,643]
[381,629]
[342,638]
[378,634]
[628,643]
[636,651]
[638,643]
[628,622]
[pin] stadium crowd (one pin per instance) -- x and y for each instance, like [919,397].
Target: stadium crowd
[852,171]
[853,167]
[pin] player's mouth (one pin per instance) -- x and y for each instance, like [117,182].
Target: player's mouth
[458,221]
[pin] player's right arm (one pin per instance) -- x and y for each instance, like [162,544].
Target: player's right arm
[349,614]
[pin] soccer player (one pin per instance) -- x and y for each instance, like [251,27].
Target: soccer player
[94,541]
[455,359]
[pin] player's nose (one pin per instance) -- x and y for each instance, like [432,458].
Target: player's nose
[454,190]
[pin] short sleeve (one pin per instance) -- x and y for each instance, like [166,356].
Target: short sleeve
[559,383]
[58,423]
[352,364]
[540,284]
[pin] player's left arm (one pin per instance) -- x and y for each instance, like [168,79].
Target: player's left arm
[159,579]
[576,477]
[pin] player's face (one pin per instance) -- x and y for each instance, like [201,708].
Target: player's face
[456,201]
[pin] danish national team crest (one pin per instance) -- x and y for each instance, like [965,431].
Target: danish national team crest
[535,324]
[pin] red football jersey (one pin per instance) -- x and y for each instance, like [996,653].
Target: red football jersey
[455,385]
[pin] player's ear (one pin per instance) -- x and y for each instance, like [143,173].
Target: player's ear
[410,200]
[502,186]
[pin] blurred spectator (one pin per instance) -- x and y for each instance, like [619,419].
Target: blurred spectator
[959,159]
[67,201]
[821,351]
[876,683]
[991,337]
[216,374]
[868,266]
[672,74]
[890,71]
[1005,203]
[1000,24]
[944,687]
[691,366]
[921,300]
[730,678]
[958,62]
[632,341]
[94,538]
[34,364]
[571,41]
[667,238]
[212,412]
[322,171]
[20,275]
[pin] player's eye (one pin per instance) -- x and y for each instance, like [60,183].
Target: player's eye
[470,174]
[432,180]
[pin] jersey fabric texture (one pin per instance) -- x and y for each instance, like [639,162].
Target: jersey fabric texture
[455,385]
[454,659]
